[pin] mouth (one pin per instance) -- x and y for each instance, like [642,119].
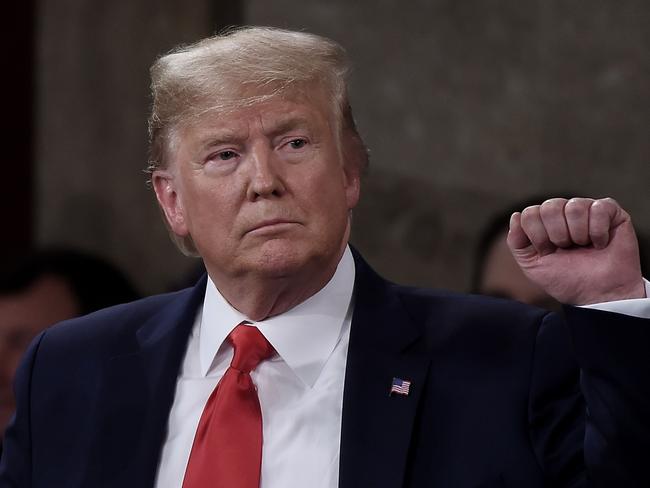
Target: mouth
[271,226]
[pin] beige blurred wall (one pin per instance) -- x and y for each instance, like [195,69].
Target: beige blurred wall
[465,106]
[92,101]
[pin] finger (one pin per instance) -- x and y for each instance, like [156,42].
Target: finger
[532,225]
[552,215]
[517,238]
[604,214]
[576,212]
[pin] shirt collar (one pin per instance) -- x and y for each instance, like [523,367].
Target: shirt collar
[304,336]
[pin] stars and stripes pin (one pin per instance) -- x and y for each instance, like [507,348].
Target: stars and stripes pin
[400,386]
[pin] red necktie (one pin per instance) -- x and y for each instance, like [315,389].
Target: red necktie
[227,449]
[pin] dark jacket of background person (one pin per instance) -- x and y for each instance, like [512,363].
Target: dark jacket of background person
[43,288]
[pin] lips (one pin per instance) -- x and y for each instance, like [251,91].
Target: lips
[271,225]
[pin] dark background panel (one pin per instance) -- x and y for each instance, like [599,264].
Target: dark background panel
[16,195]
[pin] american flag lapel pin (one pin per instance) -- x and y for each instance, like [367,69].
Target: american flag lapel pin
[400,386]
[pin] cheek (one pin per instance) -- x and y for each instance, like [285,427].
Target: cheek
[205,199]
[328,198]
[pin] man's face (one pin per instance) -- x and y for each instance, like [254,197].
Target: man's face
[262,190]
[22,316]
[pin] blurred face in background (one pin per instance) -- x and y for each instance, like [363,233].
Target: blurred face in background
[22,316]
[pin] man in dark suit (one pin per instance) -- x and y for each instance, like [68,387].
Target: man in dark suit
[352,381]
[43,288]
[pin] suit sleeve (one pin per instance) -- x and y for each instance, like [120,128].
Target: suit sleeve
[612,352]
[16,462]
[556,407]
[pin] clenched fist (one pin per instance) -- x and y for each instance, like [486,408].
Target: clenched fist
[580,251]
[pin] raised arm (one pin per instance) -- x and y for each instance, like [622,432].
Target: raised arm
[583,251]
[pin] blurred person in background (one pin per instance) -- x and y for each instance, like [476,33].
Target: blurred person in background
[45,288]
[495,271]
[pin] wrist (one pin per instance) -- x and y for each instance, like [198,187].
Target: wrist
[615,294]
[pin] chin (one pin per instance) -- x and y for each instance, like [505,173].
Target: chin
[281,258]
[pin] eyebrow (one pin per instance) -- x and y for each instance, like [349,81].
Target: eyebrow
[218,138]
[227,136]
[288,124]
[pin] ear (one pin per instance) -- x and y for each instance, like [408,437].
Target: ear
[354,159]
[170,202]
[352,185]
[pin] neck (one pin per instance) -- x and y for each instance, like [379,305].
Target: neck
[261,297]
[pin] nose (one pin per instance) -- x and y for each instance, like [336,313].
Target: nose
[265,180]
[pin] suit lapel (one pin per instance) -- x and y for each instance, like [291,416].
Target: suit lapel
[376,426]
[138,391]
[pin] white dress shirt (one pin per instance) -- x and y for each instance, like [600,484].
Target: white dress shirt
[300,388]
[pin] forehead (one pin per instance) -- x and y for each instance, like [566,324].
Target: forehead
[304,101]
[273,111]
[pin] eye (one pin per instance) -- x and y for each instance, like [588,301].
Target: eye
[298,143]
[226,155]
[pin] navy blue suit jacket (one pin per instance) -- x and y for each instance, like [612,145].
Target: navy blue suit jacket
[497,398]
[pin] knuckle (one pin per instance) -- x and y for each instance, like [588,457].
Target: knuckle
[598,209]
[574,200]
[530,212]
[581,200]
[552,206]
[609,201]
[576,207]
[605,204]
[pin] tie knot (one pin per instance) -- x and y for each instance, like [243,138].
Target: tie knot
[251,348]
